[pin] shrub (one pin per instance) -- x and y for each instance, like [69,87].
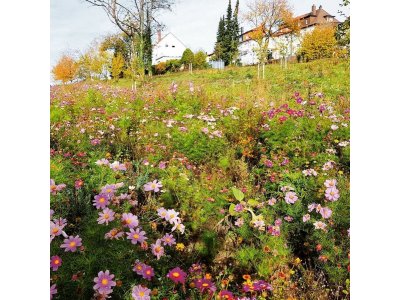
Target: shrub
[319,43]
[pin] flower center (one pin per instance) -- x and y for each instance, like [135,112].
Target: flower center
[175,274]
[55,230]
[56,262]
[102,200]
[141,294]
[136,236]
[106,216]
[205,284]
[104,281]
[72,244]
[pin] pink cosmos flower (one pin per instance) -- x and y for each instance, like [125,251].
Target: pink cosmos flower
[224,294]
[153,186]
[117,166]
[101,201]
[162,165]
[157,249]
[55,262]
[239,222]
[79,184]
[114,234]
[139,267]
[272,201]
[329,183]
[104,282]
[178,226]
[71,243]
[109,190]
[54,188]
[332,194]
[148,272]
[177,275]
[129,220]
[55,229]
[136,235]
[291,197]
[107,215]
[168,239]
[171,216]
[53,290]
[140,293]
[325,212]
[102,162]
[319,225]
[162,212]
[306,217]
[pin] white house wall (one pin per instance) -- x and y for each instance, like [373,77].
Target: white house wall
[168,48]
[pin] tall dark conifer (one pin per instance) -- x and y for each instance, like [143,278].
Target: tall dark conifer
[235,31]
[227,41]
[218,49]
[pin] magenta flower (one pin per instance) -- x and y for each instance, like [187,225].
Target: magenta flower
[101,201]
[332,194]
[53,290]
[224,294]
[261,285]
[103,282]
[153,186]
[157,249]
[148,272]
[136,235]
[177,275]
[71,243]
[55,262]
[205,285]
[107,215]
[168,239]
[129,220]
[140,293]
[291,197]
[325,212]
[79,184]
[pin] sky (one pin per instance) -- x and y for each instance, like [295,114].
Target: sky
[74,24]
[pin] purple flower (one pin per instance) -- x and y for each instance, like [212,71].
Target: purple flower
[168,239]
[71,243]
[108,190]
[177,275]
[53,290]
[117,166]
[101,201]
[136,235]
[261,285]
[291,197]
[55,229]
[325,212]
[332,194]
[78,184]
[153,186]
[148,272]
[162,165]
[205,285]
[306,217]
[224,294]
[329,183]
[107,215]
[114,234]
[103,282]
[140,293]
[239,222]
[55,262]
[129,220]
[157,249]
[239,207]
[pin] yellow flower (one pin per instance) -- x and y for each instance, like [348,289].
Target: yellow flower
[180,247]
[208,276]
[340,172]
[297,261]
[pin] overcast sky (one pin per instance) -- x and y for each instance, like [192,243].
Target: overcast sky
[75,24]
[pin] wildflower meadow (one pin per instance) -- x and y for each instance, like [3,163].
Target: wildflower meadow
[211,185]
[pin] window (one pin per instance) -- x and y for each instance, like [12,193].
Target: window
[306,22]
[173,46]
[166,45]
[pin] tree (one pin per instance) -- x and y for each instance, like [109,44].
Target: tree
[319,43]
[235,33]
[200,60]
[218,49]
[137,19]
[187,57]
[117,66]
[343,30]
[66,69]
[268,17]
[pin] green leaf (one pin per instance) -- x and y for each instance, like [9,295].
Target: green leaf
[253,203]
[238,194]
[232,211]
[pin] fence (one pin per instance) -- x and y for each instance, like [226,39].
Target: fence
[217,64]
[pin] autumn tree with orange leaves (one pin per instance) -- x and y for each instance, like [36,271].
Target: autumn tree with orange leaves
[66,69]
